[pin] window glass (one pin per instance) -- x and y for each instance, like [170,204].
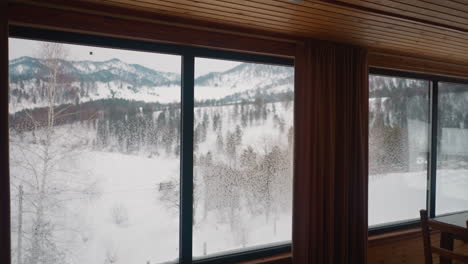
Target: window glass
[243,134]
[398,148]
[452,146]
[94,154]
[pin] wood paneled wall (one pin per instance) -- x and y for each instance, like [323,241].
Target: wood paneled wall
[419,65]
[414,27]
[140,25]
[95,18]
[403,248]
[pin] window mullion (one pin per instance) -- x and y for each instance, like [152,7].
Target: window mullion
[431,194]
[186,164]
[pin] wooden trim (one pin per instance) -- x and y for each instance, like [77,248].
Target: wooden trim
[278,259]
[373,241]
[403,62]
[134,24]
[394,236]
[125,12]
[459,232]
[5,252]
[277,18]
[394,15]
[449,254]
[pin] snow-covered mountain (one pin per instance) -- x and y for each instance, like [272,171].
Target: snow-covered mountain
[244,82]
[394,100]
[27,68]
[86,80]
[81,81]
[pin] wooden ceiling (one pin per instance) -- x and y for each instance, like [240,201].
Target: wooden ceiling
[436,29]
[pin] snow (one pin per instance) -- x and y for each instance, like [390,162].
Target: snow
[452,190]
[107,206]
[396,197]
[212,235]
[151,233]
[85,66]
[127,185]
[126,181]
[19,69]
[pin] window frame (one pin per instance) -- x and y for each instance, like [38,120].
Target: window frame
[432,155]
[188,55]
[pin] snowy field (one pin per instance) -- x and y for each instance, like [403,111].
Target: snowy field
[122,216]
[105,206]
[396,197]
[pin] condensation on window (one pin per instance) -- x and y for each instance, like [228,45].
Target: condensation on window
[398,148]
[94,154]
[452,148]
[243,145]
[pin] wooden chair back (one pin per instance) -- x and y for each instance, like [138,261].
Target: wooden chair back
[427,225]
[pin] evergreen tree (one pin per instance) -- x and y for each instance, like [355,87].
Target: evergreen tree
[231,145]
[248,158]
[216,121]
[238,135]
[220,142]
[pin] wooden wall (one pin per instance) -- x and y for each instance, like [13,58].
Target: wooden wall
[94,18]
[146,26]
[418,65]
[403,247]
[413,27]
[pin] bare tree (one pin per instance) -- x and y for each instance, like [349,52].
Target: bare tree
[119,215]
[111,256]
[44,166]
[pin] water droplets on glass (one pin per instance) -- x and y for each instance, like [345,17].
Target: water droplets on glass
[94,151]
[452,146]
[243,134]
[398,148]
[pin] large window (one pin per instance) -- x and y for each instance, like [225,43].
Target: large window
[130,152]
[243,133]
[94,154]
[398,148]
[418,142]
[452,140]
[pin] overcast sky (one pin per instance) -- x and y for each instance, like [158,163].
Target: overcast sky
[156,61]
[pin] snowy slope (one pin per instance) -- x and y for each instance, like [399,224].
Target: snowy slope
[89,80]
[128,183]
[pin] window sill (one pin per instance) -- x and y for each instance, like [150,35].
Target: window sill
[285,258]
[374,240]
[393,227]
[378,239]
[274,254]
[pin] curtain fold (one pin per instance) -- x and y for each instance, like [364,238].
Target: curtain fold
[331,153]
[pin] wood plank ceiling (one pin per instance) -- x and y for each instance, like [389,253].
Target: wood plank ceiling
[434,29]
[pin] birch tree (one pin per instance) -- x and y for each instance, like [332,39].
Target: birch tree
[42,160]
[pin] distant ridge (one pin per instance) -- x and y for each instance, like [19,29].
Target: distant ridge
[89,80]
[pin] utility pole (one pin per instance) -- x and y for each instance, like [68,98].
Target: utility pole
[20,222]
